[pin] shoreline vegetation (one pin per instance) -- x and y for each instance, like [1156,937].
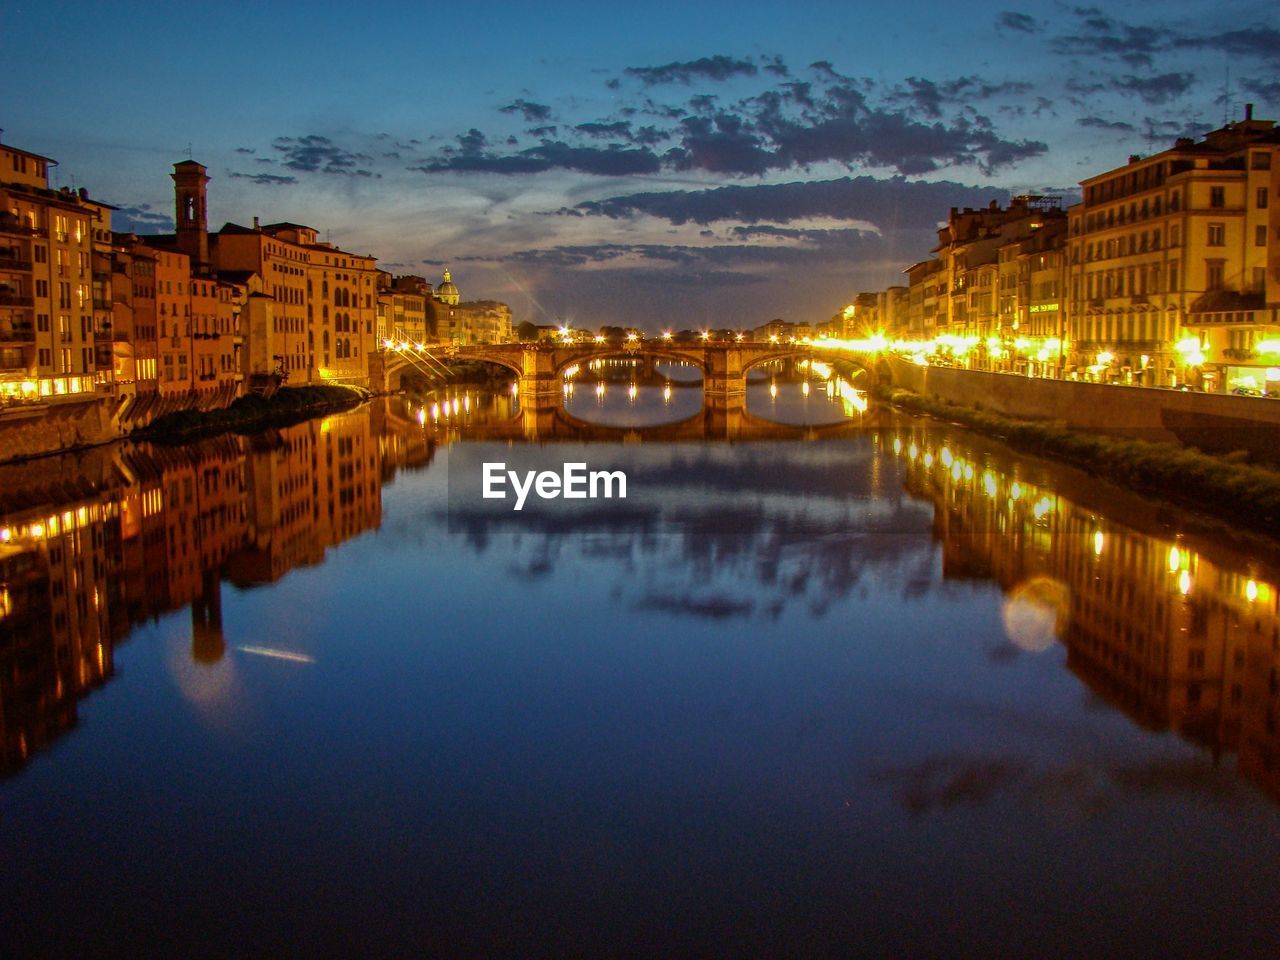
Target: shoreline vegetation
[1225,486]
[289,405]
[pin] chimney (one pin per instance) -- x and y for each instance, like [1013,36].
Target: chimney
[255,223]
[1248,111]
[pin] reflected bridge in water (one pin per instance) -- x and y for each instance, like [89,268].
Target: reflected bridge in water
[540,367]
[450,421]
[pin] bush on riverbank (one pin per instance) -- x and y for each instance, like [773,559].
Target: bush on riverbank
[1222,485]
[287,406]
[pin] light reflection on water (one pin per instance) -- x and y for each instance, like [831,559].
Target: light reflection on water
[625,392]
[900,687]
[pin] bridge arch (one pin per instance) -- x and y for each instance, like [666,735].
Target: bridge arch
[658,355]
[808,353]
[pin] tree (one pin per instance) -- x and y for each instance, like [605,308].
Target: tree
[527,332]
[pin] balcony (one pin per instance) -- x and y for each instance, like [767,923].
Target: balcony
[8,299]
[14,264]
[99,304]
[17,333]
[11,226]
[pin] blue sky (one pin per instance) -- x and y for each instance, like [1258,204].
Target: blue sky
[670,164]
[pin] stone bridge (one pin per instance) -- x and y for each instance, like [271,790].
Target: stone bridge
[540,367]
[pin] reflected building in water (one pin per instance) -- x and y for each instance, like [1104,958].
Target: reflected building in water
[1177,633]
[126,533]
[1176,637]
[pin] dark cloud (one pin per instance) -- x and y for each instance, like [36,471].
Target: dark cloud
[720,144]
[1138,45]
[718,67]
[775,66]
[140,219]
[317,154]
[474,156]
[931,97]
[612,161]
[795,123]
[1107,37]
[1265,90]
[648,136]
[1157,89]
[894,201]
[619,128]
[245,150]
[549,130]
[896,140]
[1097,123]
[264,179]
[532,112]
[1010,20]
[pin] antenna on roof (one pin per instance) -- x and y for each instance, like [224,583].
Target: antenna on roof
[1226,97]
[189,156]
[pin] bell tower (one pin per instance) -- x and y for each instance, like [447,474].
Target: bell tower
[189,214]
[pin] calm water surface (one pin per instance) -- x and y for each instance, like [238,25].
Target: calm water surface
[856,685]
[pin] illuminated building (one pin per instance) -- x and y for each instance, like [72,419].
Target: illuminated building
[926,286]
[273,300]
[1175,263]
[447,293]
[47,283]
[970,248]
[134,331]
[476,321]
[402,309]
[1032,308]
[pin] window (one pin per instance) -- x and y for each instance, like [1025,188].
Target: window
[1217,197]
[1213,274]
[1259,279]
[1261,160]
[1217,234]
[1262,198]
[1260,235]
[1173,278]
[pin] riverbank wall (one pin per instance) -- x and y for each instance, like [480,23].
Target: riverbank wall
[1210,422]
[37,429]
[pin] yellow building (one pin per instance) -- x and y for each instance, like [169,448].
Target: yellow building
[926,284]
[476,321]
[978,302]
[321,327]
[47,283]
[1173,264]
[402,309]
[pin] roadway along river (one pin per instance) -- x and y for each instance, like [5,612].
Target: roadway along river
[860,679]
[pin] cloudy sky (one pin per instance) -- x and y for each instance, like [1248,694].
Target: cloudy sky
[672,164]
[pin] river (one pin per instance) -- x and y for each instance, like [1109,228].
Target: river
[831,681]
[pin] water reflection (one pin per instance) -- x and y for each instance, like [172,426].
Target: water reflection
[90,546]
[803,393]
[853,648]
[632,392]
[1176,636]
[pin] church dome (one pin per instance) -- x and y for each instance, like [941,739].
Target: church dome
[447,291]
